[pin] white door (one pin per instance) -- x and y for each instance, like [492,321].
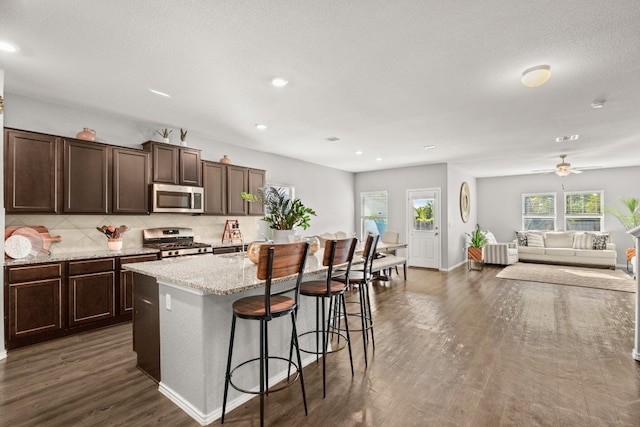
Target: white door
[423,219]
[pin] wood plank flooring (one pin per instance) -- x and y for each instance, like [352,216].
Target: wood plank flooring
[452,349]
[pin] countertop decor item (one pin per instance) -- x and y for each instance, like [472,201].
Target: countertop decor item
[183,137]
[114,236]
[165,134]
[17,247]
[86,134]
[225,160]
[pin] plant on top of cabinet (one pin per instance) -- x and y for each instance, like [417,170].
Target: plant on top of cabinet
[183,137]
[165,134]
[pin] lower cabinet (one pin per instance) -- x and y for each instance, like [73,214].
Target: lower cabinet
[146,325]
[47,301]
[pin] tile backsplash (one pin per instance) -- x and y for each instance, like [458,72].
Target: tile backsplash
[78,232]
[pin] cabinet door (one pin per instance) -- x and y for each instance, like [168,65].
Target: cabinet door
[237,182]
[190,167]
[91,298]
[164,158]
[214,180]
[130,181]
[146,325]
[86,177]
[32,162]
[35,308]
[256,180]
[126,282]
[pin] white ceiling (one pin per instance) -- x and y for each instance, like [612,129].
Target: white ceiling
[386,77]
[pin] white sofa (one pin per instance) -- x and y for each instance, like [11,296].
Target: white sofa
[592,249]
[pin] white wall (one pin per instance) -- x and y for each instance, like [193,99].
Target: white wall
[3,352]
[500,200]
[457,228]
[328,191]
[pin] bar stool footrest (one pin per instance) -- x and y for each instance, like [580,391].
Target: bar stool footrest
[287,384]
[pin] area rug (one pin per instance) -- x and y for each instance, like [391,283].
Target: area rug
[615,280]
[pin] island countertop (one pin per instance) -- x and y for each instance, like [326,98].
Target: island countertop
[217,274]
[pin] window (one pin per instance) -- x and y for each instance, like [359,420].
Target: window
[583,211]
[539,211]
[373,211]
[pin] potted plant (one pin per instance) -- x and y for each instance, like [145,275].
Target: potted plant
[629,218]
[477,241]
[281,212]
[165,134]
[183,137]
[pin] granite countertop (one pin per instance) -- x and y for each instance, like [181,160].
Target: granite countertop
[219,275]
[70,256]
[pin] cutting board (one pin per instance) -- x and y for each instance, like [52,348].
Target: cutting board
[42,231]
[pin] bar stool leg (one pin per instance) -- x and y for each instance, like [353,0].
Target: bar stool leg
[297,344]
[346,327]
[363,319]
[262,365]
[325,341]
[227,376]
[373,341]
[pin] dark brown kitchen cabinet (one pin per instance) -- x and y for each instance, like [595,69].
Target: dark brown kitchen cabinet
[34,303]
[92,294]
[256,179]
[126,281]
[214,181]
[86,177]
[174,165]
[146,325]
[32,182]
[237,182]
[130,181]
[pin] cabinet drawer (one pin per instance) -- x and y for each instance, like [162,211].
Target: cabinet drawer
[91,266]
[32,273]
[138,258]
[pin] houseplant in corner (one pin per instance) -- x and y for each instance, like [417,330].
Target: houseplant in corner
[281,213]
[629,219]
[477,240]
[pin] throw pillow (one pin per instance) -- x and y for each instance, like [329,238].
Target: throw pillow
[491,239]
[522,238]
[583,241]
[600,241]
[535,241]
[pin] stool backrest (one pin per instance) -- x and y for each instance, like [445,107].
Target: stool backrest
[280,260]
[369,253]
[338,252]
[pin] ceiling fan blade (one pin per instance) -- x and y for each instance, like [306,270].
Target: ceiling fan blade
[575,171]
[543,171]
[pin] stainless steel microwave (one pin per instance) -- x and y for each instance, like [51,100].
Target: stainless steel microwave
[177,198]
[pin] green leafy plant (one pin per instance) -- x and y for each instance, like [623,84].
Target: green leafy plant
[183,134]
[629,219]
[281,212]
[478,238]
[165,132]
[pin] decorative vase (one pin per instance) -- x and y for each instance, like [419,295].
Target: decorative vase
[225,160]
[253,251]
[282,236]
[166,140]
[314,244]
[183,143]
[86,134]
[114,244]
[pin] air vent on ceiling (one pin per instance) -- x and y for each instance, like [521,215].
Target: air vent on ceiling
[567,138]
[332,139]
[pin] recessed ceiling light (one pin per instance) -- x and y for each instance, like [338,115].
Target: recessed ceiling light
[597,104]
[378,159]
[8,47]
[567,138]
[332,139]
[359,152]
[157,92]
[429,147]
[536,76]
[279,82]
[261,126]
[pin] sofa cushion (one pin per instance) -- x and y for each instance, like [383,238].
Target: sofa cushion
[558,239]
[524,250]
[535,240]
[521,236]
[560,251]
[590,253]
[600,241]
[583,241]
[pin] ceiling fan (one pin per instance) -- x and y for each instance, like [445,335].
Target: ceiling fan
[564,168]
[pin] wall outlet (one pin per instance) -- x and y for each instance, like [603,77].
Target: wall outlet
[167,302]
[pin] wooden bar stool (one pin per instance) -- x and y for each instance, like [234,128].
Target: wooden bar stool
[361,276]
[276,260]
[336,252]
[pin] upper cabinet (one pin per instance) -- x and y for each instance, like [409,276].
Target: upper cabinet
[214,181]
[241,179]
[86,177]
[256,179]
[174,165]
[32,182]
[130,181]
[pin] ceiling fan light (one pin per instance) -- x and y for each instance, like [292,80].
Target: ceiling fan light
[536,76]
[562,171]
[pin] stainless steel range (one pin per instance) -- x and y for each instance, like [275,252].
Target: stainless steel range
[174,241]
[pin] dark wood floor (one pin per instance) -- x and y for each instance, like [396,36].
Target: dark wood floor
[459,348]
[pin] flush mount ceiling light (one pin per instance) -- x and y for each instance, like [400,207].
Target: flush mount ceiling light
[567,138]
[597,104]
[378,159]
[261,126]
[428,147]
[279,82]
[358,152]
[157,92]
[8,47]
[536,76]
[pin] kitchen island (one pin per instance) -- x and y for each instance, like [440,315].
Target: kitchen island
[194,298]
